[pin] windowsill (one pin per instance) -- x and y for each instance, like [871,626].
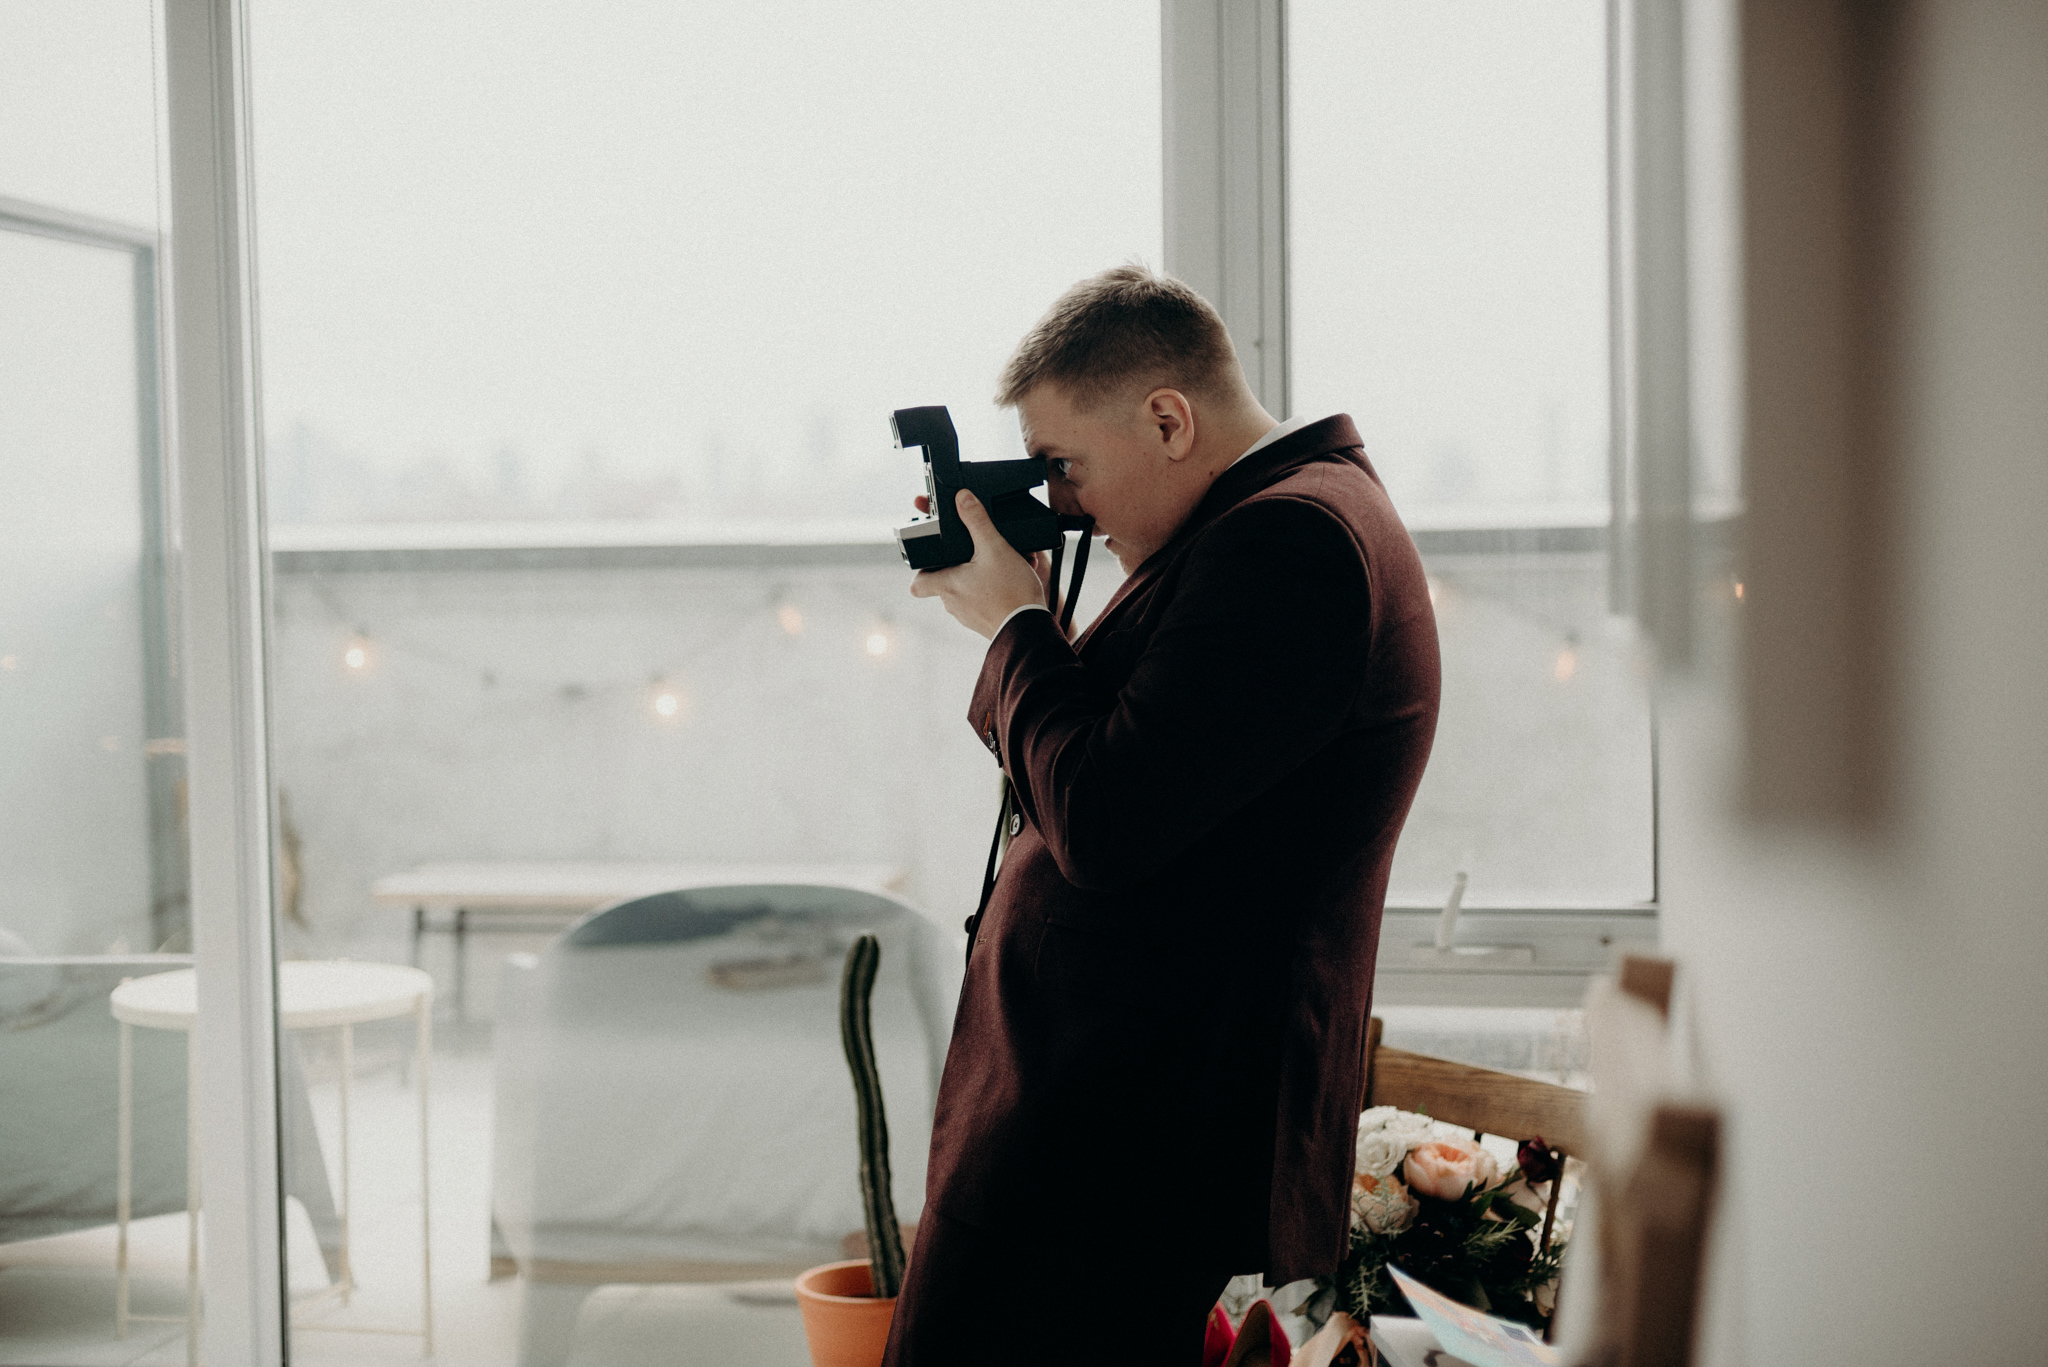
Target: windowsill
[1511,958]
[402,546]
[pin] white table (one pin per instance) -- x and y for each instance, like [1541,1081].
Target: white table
[524,895]
[333,994]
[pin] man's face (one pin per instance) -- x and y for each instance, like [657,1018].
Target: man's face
[1114,464]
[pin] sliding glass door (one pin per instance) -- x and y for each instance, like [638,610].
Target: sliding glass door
[139,1186]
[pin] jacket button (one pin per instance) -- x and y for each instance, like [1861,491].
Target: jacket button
[1016,822]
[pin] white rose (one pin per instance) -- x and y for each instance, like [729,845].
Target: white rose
[1380,1151]
[1410,1128]
[1377,1116]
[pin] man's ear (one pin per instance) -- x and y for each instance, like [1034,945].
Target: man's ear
[1173,417]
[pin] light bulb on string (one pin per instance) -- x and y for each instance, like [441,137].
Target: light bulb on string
[790,618]
[667,700]
[355,656]
[879,641]
[1567,663]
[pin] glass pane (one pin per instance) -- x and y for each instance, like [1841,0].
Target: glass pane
[75,869]
[582,330]
[672,262]
[92,842]
[1449,278]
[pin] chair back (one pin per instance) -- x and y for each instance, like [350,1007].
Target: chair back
[708,912]
[1474,1098]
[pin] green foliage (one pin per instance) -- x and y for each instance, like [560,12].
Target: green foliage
[1479,1250]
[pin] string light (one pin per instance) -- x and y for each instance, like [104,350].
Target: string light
[1566,666]
[878,642]
[790,618]
[357,655]
[10,662]
[667,698]
[1738,590]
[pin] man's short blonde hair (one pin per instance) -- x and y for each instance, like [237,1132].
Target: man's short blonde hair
[1125,330]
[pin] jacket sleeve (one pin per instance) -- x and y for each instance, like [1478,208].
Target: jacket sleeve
[1253,667]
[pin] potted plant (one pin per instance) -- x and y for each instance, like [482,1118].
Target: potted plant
[847,1306]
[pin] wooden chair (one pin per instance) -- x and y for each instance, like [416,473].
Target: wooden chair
[1654,1219]
[1478,1099]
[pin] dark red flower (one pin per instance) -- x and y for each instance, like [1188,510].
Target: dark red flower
[1537,1162]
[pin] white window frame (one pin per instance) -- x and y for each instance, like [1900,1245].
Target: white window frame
[212,397]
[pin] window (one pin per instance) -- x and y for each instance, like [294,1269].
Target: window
[672,263]
[581,327]
[1448,287]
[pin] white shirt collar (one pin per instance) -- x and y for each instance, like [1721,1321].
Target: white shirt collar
[1274,433]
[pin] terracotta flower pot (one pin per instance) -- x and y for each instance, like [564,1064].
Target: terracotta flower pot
[844,1325]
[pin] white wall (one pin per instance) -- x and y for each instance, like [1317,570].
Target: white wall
[1874,1011]
[509,714]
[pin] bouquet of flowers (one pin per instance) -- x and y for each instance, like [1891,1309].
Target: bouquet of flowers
[1429,1200]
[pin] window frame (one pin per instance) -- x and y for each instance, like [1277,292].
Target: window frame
[212,401]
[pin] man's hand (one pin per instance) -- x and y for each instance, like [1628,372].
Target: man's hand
[988,588]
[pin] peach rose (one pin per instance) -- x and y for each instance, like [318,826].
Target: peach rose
[1382,1204]
[1444,1168]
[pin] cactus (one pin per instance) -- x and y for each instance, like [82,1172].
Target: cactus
[885,1237]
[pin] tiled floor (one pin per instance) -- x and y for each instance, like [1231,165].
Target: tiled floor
[57,1295]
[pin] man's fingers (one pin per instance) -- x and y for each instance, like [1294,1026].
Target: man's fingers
[924,584]
[975,518]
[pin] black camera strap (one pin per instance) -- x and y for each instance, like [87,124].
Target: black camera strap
[1063,613]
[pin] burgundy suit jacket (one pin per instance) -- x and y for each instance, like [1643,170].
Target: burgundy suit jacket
[1160,1035]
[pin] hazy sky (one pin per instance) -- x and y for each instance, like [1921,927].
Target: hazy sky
[683,236]
[718,243]
[1449,213]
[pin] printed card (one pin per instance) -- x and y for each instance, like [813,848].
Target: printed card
[1478,1338]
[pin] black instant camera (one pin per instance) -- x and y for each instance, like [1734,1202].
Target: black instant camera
[1003,486]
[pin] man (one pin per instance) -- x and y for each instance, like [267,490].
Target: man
[1155,1072]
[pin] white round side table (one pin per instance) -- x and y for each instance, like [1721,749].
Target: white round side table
[333,994]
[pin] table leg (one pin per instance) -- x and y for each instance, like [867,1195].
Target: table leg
[124,1168]
[191,1199]
[419,929]
[423,1040]
[348,1066]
